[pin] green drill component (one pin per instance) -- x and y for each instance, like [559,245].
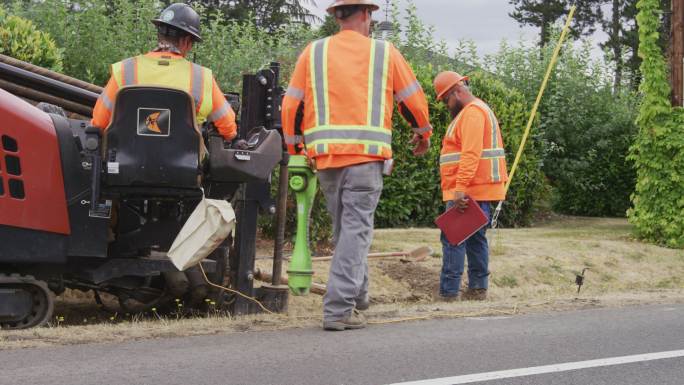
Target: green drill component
[303,182]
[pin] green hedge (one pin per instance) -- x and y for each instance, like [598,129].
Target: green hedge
[588,132]
[585,130]
[659,149]
[20,39]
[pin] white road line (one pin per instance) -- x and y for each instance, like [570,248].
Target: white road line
[522,372]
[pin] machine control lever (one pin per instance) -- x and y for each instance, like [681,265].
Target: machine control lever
[93,141]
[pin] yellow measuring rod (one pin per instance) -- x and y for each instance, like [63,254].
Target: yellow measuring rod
[533,113]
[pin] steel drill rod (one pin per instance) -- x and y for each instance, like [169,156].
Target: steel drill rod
[50,74]
[34,95]
[281,216]
[47,85]
[393,254]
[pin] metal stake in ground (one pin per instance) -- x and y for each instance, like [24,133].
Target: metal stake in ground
[579,280]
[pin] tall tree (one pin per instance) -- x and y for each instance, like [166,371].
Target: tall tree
[619,27]
[329,27]
[267,14]
[623,39]
[543,13]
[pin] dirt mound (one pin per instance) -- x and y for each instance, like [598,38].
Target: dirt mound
[422,281]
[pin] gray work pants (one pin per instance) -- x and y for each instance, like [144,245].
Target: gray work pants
[352,194]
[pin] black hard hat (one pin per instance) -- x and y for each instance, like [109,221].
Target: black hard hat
[180,16]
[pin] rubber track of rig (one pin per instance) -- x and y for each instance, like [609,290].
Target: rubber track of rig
[42,298]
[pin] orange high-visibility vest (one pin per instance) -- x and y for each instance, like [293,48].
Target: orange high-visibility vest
[484,175]
[343,87]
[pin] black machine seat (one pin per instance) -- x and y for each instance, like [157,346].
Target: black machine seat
[152,141]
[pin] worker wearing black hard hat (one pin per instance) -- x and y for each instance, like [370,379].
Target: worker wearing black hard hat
[177,19]
[178,28]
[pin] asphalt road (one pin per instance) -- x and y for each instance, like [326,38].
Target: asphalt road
[384,354]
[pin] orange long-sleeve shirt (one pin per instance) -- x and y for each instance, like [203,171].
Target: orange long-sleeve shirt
[347,59]
[222,115]
[473,173]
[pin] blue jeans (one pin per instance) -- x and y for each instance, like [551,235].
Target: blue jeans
[453,258]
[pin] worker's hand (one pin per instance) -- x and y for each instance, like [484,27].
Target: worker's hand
[421,145]
[460,201]
[311,162]
[239,144]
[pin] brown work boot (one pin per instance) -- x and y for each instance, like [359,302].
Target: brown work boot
[449,298]
[475,295]
[355,320]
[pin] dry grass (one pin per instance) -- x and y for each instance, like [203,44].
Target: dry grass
[532,270]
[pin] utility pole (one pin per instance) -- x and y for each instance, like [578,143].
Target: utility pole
[677,53]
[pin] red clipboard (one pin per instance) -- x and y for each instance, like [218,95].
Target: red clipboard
[458,226]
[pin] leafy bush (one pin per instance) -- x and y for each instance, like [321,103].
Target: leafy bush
[658,152]
[588,131]
[585,129]
[20,39]
[101,32]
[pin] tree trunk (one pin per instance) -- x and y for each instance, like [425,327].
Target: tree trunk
[617,45]
[677,52]
[544,38]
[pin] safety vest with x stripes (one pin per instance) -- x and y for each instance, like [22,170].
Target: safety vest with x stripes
[491,166]
[370,139]
[344,88]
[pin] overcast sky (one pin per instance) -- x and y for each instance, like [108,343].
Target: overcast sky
[486,22]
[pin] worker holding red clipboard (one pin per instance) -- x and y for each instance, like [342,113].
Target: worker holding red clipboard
[473,173]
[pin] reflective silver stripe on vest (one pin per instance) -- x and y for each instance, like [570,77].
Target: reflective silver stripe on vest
[373,149]
[496,153]
[319,79]
[350,134]
[295,93]
[106,101]
[422,130]
[293,139]
[378,83]
[221,112]
[128,66]
[449,158]
[407,92]
[197,83]
[495,123]
[320,148]
[495,143]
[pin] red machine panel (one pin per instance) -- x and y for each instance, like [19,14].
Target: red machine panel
[31,183]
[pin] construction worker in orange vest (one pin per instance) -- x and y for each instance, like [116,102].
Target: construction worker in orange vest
[472,165]
[338,109]
[178,29]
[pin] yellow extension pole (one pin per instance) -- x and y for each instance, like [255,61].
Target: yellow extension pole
[549,70]
[533,113]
